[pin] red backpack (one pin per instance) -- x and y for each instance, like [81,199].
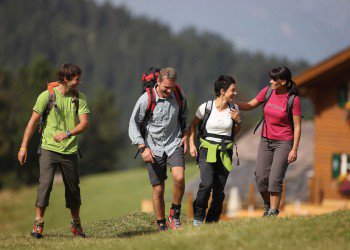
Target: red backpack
[149,80]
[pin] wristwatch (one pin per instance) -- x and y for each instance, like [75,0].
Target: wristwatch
[142,149]
[69,133]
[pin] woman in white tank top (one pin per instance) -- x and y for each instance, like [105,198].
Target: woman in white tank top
[218,122]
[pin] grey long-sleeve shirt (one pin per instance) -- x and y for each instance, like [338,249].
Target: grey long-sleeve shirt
[163,132]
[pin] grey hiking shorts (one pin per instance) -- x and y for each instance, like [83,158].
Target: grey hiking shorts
[68,165]
[272,163]
[157,170]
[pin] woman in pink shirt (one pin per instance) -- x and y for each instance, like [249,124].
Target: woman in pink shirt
[280,135]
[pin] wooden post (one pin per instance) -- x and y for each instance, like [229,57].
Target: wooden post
[189,205]
[147,206]
[251,195]
[283,198]
[318,191]
[312,190]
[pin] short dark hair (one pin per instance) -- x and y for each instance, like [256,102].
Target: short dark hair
[69,70]
[223,82]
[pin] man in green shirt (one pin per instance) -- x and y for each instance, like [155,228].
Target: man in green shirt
[68,117]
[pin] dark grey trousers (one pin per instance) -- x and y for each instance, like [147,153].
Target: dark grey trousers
[272,163]
[213,177]
[68,165]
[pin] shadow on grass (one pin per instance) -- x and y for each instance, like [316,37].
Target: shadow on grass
[110,235]
[125,226]
[127,234]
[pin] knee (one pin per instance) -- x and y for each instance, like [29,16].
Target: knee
[206,185]
[218,197]
[45,185]
[276,186]
[158,191]
[179,178]
[218,190]
[262,183]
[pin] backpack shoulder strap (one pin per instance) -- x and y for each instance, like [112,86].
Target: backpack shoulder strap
[289,108]
[268,94]
[180,98]
[207,112]
[76,101]
[232,105]
[151,104]
[178,95]
[50,104]
[52,94]
[208,109]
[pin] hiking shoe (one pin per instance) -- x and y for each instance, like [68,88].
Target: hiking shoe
[174,219]
[267,207]
[38,228]
[273,213]
[197,223]
[162,226]
[76,228]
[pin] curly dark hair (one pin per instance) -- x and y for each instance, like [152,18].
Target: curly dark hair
[223,82]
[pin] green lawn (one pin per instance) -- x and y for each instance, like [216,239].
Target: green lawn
[111,219]
[137,231]
[103,196]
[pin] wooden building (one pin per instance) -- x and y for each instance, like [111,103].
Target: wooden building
[327,84]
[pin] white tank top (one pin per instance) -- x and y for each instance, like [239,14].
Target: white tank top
[219,122]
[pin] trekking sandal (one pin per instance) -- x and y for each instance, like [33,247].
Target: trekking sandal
[174,219]
[38,228]
[76,228]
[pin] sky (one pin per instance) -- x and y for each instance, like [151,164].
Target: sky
[311,30]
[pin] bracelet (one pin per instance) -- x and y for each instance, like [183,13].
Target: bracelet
[22,148]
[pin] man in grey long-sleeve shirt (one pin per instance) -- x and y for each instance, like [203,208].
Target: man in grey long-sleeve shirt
[164,142]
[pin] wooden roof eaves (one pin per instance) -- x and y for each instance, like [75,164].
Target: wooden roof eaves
[307,76]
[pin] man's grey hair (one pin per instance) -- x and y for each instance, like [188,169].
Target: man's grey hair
[167,73]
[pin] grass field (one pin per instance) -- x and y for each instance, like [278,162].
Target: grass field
[111,218]
[137,231]
[103,196]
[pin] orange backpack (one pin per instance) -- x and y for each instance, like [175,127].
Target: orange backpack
[52,103]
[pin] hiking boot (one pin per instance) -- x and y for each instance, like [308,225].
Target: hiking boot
[174,219]
[162,226]
[38,228]
[76,228]
[273,213]
[267,207]
[197,223]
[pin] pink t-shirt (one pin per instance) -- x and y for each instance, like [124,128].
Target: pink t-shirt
[277,125]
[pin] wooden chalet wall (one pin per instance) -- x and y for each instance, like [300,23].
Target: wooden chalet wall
[332,130]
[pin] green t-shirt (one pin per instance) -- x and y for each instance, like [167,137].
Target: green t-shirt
[60,119]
